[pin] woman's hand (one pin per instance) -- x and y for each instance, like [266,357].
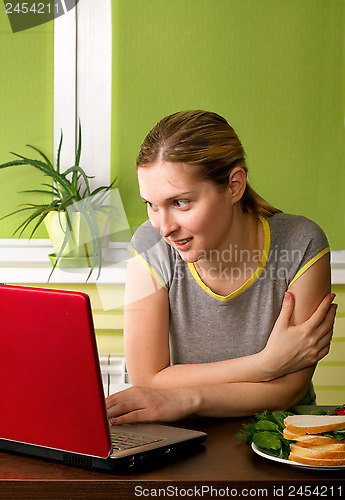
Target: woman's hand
[291,348]
[139,404]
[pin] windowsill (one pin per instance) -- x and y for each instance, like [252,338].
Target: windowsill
[338,267]
[27,261]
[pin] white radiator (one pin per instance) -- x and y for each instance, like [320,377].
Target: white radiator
[114,373]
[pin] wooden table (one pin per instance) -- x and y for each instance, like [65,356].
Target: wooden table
[223,463]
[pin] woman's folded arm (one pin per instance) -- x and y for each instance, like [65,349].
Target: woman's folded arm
[215,400]
[299,338]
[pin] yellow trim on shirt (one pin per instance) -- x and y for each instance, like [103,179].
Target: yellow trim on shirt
[260,268]
[150,269]
[309,264]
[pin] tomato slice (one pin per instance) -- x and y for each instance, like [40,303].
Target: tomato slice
[340,410]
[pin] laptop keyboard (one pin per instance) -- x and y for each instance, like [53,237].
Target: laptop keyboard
[125,440]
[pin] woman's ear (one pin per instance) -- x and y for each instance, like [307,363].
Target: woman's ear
[237,183]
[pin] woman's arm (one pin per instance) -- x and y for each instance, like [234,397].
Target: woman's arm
[308,291]
[291,348]
[286,391]
[219,399]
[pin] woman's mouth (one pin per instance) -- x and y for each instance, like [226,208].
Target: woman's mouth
[183,245]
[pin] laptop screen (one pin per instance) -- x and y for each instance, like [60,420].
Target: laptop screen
[51,390]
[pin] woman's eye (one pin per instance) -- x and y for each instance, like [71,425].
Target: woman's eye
[151,205]
[180,203]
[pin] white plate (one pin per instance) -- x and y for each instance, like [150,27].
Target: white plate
[266,454]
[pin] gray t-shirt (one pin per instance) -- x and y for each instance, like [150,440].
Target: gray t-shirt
[206,327]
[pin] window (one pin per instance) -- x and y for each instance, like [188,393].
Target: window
[82,85]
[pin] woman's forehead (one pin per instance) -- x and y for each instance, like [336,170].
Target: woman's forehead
[160,173]
[167,180]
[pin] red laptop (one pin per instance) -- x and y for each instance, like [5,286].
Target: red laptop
[51,392]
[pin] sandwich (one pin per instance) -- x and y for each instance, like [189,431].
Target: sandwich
[316,439]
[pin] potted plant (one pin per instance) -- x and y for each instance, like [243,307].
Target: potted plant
[75,217]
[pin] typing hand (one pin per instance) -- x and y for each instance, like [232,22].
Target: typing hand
[139,404]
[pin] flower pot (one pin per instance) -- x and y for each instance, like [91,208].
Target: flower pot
[79,247]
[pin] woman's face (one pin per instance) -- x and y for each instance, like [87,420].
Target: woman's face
[191,215]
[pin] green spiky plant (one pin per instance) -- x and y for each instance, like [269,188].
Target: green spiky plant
[73,193]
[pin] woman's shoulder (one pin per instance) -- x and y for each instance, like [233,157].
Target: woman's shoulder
[296,231]
[294,225]
[145,235]
[148,244]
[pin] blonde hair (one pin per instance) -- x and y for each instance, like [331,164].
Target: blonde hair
[207,140]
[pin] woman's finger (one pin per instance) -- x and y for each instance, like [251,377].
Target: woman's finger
[321,312]
[120,403]
[325,339]
[129,418]
[323,352]
[124,407]
[327,324]
[286,311]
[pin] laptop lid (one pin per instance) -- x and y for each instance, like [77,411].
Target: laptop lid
[51,390]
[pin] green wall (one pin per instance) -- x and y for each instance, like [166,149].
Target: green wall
[26,111]
[274,69]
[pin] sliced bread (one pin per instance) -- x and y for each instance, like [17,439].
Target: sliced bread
[313,424]
[307,440]
[316,461]
[325,451]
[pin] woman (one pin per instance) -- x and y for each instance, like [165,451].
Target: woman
[228,304]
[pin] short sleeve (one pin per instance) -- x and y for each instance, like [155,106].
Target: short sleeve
[309,245]
[153,252]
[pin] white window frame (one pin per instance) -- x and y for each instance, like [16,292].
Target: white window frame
[83,86]
[82,90]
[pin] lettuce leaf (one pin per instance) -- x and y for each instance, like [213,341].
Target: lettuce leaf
[338,434]
[267,432]
[268,440]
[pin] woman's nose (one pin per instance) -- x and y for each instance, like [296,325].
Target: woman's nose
[167,225]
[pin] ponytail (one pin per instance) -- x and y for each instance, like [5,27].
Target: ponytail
[252,202]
